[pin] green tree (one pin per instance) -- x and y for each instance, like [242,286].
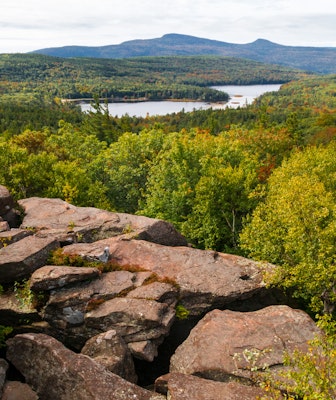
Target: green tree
[127,165]
[295,227]
[222,199]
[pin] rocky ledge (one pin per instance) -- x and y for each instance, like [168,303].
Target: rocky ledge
[114,306]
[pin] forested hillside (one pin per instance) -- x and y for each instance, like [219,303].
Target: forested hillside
[315,59]
[32,77]
[258,181]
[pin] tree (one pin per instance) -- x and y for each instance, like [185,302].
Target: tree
[221,201]
[295,227]
[127,165]
[201,183]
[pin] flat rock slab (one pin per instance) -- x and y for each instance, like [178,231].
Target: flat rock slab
[158,291]
[58,373]
[51,277]
[214,349]
[206,279]
[70,223]
[134,319]
[184,387]
[20,259]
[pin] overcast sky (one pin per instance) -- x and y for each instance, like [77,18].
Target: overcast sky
[35,24]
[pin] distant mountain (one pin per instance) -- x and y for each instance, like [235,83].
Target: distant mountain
[315,59]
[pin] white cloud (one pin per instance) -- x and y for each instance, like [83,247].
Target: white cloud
[26,26]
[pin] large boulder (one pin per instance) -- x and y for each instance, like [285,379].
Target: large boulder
[66,307]
[68,223]
[110,350]
[84,309]
[20,259]
[215,347]
[55,372]
[206,279]
[135,320]
[184,387]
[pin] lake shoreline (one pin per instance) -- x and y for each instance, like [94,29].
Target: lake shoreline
[139,100]
[239,96]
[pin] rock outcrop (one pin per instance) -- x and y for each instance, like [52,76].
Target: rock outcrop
[59,219]
[228,278]
[215,347]
[114,288]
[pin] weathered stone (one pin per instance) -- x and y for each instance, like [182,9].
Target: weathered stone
[146,350]
[3,371]
[20,259]
[52,277]
[58,373]
[158,291]
[214,349]
[4,227]
[184,387]
[134,319]
[111,351]
[87,295]
[14,390]
[66,307]
[12,236]
[69,223]
[206,279]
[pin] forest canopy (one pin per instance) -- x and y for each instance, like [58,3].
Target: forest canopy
[256,181]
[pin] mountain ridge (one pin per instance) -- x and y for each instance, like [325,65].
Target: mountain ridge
[312,59]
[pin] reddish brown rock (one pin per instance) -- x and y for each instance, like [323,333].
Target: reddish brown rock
[206,279]
[66,307]
[145,350]
[51,277]
[184,387]
[68,223]
[20,259]
[58,373]
[214,349]
[158,291]
[110,350]
[4,226]
[14,390]
[134,319]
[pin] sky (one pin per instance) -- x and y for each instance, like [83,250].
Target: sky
[35,24]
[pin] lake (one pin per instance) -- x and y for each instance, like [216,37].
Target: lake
[239,97]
